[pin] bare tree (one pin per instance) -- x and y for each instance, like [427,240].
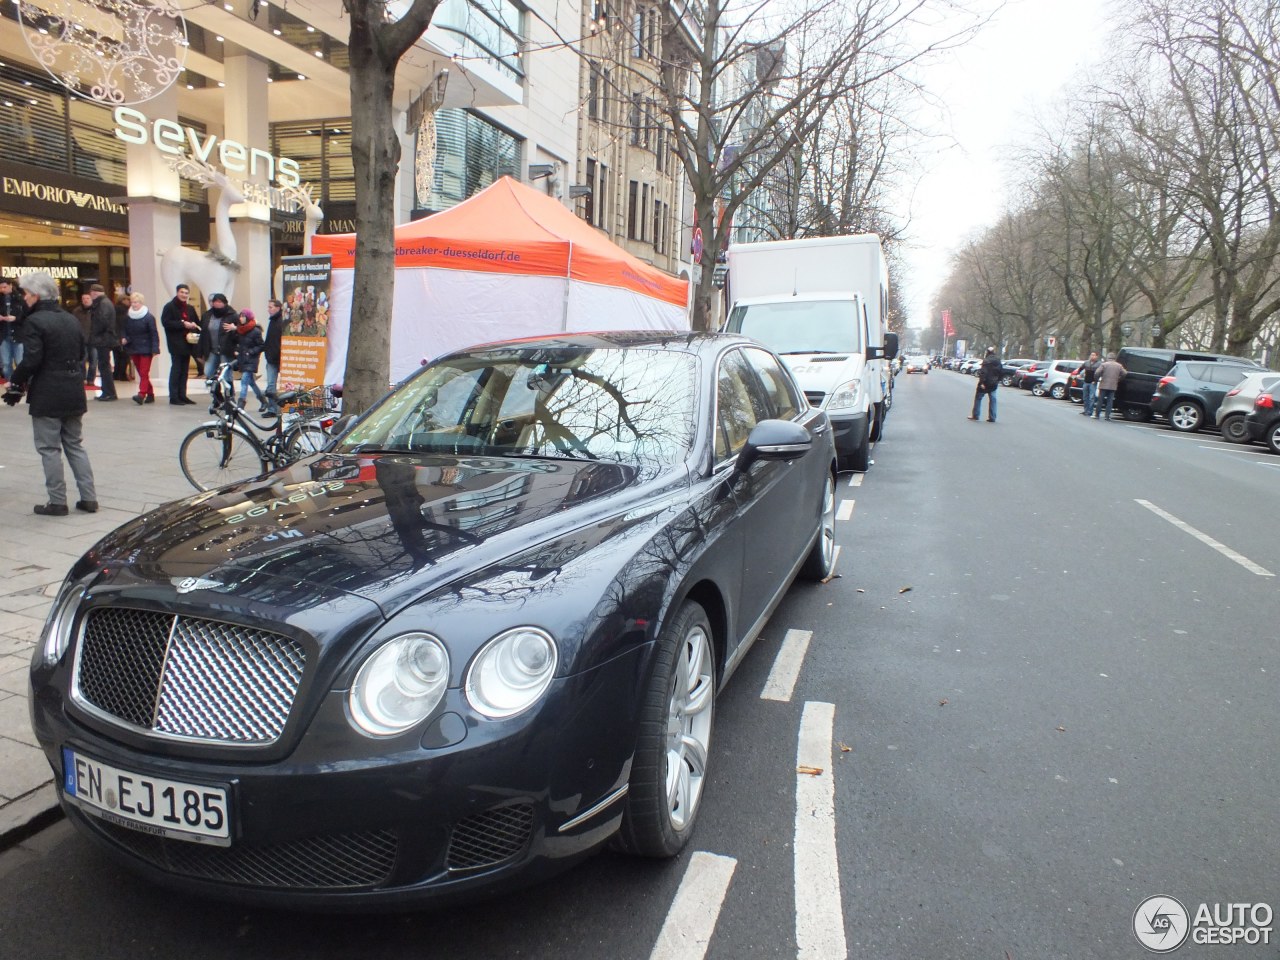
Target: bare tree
[376,44]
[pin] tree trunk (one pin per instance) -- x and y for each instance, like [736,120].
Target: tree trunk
[375,150]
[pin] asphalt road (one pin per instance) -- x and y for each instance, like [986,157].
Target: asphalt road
[1050,664]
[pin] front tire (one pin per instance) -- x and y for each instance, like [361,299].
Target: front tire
[1273,437]
[212,456]
[860,459]
[1235,429]
[1136,414]
[1037,390]
[1186,416]
[822,558]
[669,769]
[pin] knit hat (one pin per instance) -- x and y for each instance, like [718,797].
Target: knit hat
[215,298]
[246,315]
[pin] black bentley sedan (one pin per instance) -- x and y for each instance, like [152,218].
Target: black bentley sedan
[478,637]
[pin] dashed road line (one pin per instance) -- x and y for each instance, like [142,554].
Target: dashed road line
[819,911]
[856,479]
[1207,540]
[845,511]
[691,921]
[786,667]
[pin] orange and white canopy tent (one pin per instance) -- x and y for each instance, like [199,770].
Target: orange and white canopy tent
[508,262]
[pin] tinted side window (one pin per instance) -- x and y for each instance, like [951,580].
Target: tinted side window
[1227,374]
[781,389]
[1199,371]
[739,405]
[1146,363]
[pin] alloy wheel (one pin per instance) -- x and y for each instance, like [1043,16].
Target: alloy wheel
[689,726]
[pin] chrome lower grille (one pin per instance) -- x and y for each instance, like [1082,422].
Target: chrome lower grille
[490,838]
[188,677]
[336,861]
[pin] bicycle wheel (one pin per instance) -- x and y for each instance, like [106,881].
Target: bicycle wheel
[212,456]
[304,440]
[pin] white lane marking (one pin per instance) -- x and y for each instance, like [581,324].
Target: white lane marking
[1207,540]
[819,912]
[692,918]
[835,558]
[856,479]
[786,667]
[846,510]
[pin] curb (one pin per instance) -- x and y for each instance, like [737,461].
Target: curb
[28,815]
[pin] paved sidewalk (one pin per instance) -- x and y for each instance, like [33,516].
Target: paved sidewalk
[134,453]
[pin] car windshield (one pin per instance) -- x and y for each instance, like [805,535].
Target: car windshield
[621,405]
[800,326]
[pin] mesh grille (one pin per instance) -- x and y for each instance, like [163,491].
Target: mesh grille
[490,837]
[335,861]
[188,677]
[815,397]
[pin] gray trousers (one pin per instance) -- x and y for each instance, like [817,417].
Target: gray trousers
[53,436]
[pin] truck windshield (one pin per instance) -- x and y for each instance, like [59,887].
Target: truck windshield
[801,326]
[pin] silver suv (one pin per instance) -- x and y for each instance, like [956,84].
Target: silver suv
[1055,381]
[1238,404]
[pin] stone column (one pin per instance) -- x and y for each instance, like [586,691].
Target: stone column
[154,223]
[246,121]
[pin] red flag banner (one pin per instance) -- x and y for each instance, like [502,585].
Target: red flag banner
[947,329]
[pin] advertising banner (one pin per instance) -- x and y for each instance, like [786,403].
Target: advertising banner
[304,347]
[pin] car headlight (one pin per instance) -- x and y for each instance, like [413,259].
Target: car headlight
[399,684]
[845,396]
[511,672]
[57,628]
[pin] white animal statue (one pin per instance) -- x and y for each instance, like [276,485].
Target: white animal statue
[312,214]
[214,270]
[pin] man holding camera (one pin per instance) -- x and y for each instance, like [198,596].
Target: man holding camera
[52,376]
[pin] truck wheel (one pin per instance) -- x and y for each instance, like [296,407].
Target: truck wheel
[860,459]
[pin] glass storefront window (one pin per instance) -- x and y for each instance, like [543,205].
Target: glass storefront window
[488,30]
[470,154]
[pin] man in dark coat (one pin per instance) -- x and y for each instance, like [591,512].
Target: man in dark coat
[52,374]
[11,312]
[179,318]
[271,353]
[989,375]
[104,338]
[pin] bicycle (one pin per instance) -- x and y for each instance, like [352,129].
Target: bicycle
[237,451]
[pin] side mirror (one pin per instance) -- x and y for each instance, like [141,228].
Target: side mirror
[890,345]
[773,440]
[341,425]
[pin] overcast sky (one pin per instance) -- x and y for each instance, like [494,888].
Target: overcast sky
[992,87]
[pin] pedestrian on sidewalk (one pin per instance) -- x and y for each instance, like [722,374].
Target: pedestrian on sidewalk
[989,375]
[1089,383]
[246,344]
[103,337]
[218,321]
[12,310]
[51,374]
[1110,373]
[141,342]
[84,313]
[271,354]
[181,335]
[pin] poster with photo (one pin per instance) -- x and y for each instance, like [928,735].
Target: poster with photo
[304,345]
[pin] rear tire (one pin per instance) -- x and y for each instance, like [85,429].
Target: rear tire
[1235,429]
[1037,389]
[1059,391]
[1185,416]
[877,426]
[1273,437]
[674,739]
[212,456]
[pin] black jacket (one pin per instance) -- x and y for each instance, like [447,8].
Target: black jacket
[12,304]
[140,335]
[52,367]
[211,329]
[275,330]
[246,344]
[175,334]
[990,372]
[103,333]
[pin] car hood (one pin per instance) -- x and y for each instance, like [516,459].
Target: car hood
[369,525]
[823,371]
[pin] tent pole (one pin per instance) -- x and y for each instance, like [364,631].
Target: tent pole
[568,280]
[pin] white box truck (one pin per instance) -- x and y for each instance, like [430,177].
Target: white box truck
[820,303]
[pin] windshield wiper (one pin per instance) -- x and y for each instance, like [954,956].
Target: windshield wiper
[792,353]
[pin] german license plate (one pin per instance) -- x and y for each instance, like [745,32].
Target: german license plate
[169,808]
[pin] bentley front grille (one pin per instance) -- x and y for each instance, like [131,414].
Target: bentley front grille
[187,677]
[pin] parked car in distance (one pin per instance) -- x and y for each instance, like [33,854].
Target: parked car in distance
[1009,367]
[1146,365]
[971,365]
[1189,395]
[1055,379]
[1026,376]
[917,363]
[1238,404]
[1264,420]
[474,639]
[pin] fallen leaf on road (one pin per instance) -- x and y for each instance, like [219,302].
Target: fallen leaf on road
[943,702]
[844,747]
[1062,729]
[905,590]
[810,771]
[860,590]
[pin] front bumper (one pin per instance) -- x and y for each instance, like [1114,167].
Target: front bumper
[468,804]
[850,431]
